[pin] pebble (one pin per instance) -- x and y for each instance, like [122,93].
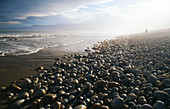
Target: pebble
[152,79]
[48,98]
[3,88]
[135,90]
[167,90]
[129,73]
[71,97]
[26,82]
[17,104]
[87,87]
[128,69]
[117,103]
[146,106]
[131,97]
[99,85]
[137,82]
[142,100]
[112,84]
[115,89]
[80,107]
[166,83]
[146,74]
[57,105]
[161,95]
[23,95]
[148,85]
[15,88]
[98,106]
[135,106]
[40,93]
[159,105]
[68,107]
[90,93]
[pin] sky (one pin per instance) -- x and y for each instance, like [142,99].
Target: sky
[113,15]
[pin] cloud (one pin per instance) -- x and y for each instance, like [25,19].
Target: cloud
[26,8]
[11,22]
[129,15]
[152,14]
[45,11]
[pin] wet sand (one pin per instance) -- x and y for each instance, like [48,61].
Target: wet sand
[13,68]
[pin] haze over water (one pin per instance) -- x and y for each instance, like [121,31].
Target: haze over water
[23,43]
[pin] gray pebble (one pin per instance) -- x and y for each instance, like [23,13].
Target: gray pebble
[146,74]
[48,98]
[159,105]
[117,103]
[152,79]
[40,93]
[128,69]
[23,95]
[26,82]
[148,85]
[167,90]
[142,100]
[131,97]
[135,90]
[17,104]
[90,93]
[80,107]
[137,82]
[71,97]
[161,95]
[146,106]
[166,83]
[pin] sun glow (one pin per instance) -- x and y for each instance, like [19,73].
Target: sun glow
[153,14]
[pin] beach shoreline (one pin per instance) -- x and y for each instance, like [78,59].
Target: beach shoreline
[13,68]
[132,71]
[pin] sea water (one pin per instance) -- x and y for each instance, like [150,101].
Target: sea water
[28,42]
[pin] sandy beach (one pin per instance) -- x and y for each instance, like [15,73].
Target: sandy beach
[13,68]
[130,71]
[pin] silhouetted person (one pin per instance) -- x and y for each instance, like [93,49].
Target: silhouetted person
[146,30]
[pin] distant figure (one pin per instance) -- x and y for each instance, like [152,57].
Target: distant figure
[146,30]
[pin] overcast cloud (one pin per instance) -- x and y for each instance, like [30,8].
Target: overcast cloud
[131,15]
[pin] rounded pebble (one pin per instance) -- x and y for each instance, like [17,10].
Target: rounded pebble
[17,104]
[161,95]
[80,107]
[152,79]
[159,105]
[117,103]
[146,106]
[40,93]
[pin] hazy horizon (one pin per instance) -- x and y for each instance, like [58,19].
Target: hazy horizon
[119,16]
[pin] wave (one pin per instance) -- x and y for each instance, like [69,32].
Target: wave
[29,43]
[20,49]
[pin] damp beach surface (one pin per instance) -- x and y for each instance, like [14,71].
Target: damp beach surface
[13,68]
[130,71]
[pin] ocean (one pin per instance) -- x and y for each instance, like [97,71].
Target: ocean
[14,43]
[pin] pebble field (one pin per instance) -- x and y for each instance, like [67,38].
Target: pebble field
[131,72]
